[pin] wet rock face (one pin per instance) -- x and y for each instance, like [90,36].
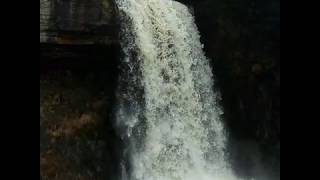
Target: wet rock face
[78,72]
[77,21]
[77,138]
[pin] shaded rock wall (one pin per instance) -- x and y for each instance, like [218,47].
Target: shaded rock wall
[77,21]
[77,138]
[78,73]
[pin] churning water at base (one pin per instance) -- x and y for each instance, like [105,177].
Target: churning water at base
[167,111]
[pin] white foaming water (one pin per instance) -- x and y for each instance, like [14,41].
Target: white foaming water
[167,108]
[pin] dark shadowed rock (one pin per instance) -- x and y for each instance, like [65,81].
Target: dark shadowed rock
[77,21]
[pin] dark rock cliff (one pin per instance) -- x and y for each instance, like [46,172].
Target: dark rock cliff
[77,22]
[78,72]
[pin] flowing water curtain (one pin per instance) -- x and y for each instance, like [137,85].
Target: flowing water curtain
[167,108]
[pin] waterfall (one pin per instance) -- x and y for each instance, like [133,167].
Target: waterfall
[167,110]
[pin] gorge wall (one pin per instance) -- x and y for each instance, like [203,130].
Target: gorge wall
[78,72]
[77,22]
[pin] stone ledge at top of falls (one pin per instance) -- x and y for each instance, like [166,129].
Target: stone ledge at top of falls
[78,22]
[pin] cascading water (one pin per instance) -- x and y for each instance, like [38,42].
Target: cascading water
[167,111]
